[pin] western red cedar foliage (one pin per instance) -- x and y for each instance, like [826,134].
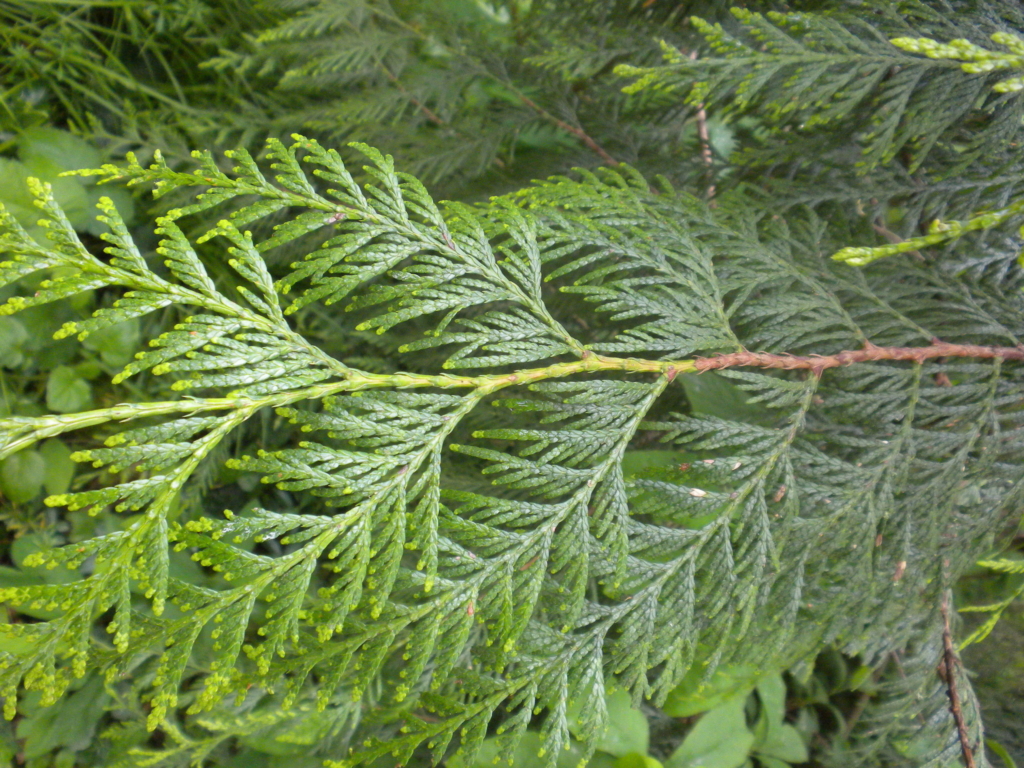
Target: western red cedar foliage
[529,501]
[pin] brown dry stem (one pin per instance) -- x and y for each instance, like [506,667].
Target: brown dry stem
[949,663]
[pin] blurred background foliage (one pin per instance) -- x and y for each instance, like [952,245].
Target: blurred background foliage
[476,98]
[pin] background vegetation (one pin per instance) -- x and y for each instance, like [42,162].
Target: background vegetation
[476,99]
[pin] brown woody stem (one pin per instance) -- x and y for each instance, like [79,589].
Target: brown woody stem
[427,111]
[579,133]
[705,144]
[870,353]
[430,114]
[949,663]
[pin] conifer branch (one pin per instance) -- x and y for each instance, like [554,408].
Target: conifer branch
[17,433]
[20,432]
[509,554]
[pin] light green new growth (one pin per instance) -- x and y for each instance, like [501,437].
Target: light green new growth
[477,552]
[977,60]
[939,233]
[995,610]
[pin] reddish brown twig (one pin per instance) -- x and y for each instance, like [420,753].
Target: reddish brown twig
[949,662]
[579,133]
[705,143]
[819,363]
[430,114]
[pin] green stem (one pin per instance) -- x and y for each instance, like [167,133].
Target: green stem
[938,233]
[20,432]
[24,431]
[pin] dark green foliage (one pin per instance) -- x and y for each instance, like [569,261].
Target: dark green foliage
[468,96]
[522,494]
[117,61]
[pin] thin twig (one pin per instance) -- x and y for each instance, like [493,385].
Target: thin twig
[950,663]
[427,111]
[705,144]
[819,363]
[579,133]
[430,114]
